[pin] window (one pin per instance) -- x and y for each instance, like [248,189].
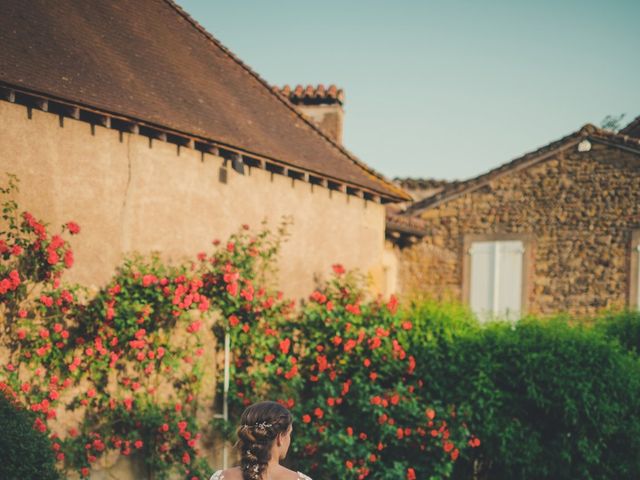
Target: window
[495,275]
[634,271]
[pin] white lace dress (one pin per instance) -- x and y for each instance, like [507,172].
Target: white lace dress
[219,476]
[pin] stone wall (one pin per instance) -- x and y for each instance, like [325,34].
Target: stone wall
[132,194]
[580,208]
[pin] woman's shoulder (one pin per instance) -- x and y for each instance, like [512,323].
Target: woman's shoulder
[228,474]
[236,474]
[286,474]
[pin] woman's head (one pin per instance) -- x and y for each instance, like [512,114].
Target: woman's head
[265,427]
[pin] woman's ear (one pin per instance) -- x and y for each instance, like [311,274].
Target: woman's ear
[279,439]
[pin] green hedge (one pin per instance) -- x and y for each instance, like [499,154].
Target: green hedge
[24,452]
[547,400]
[623,327]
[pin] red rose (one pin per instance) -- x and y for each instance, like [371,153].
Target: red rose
[53,257]
[285,345]
[68,258]
[338,269]
[306,418]
[232,288]
[73,228]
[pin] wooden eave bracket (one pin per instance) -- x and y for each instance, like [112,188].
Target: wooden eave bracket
[132,126]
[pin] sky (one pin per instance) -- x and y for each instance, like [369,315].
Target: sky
[444,89]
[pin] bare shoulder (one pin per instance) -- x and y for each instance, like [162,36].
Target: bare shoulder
[229,474]
[286,474]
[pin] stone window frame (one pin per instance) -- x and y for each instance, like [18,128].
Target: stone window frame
[634,259]
[528,257]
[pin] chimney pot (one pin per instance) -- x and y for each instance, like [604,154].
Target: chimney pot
[321,105]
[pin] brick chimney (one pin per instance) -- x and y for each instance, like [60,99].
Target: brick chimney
[321,105]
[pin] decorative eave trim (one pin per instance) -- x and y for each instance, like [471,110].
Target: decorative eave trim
[56,106]
[403,231]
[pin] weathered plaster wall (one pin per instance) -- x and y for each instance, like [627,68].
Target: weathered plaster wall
[580,208]
[130,195]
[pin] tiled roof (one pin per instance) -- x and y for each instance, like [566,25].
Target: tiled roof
[633,129]
[587,132]
[312,95]
[406,224]
[148,61]
[413,183]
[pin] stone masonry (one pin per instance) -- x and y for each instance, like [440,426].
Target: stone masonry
[580,208]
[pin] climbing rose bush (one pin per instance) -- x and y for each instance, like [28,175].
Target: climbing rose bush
[341,366]
[120,371]
[126,361]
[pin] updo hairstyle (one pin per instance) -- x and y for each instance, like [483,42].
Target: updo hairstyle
[260,424]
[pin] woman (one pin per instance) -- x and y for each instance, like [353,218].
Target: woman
[264,436]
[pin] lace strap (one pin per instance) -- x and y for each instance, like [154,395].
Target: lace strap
[302,476]
[217,476]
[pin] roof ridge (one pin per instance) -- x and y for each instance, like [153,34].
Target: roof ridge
[400,192]
[630,126]
[479,180]
[622,137]
[586,131]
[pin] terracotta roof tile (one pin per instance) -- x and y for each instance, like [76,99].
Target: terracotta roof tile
[312,95]
[147,60]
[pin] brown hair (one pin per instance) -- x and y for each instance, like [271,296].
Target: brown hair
[260,424]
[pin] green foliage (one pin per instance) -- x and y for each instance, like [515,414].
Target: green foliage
[612,122]
[342,366]
[377,393]
[624,327]
[24,451]
[548,400]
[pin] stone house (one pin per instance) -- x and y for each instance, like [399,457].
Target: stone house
[556,230]
[132,120]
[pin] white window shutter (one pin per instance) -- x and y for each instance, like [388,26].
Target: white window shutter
[509,300]
[496,279]
[482,279]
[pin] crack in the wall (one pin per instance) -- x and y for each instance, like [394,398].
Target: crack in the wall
[125,230]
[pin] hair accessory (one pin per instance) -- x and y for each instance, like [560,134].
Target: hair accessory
[259,425]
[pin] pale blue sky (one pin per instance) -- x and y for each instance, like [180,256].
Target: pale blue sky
[445,89]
